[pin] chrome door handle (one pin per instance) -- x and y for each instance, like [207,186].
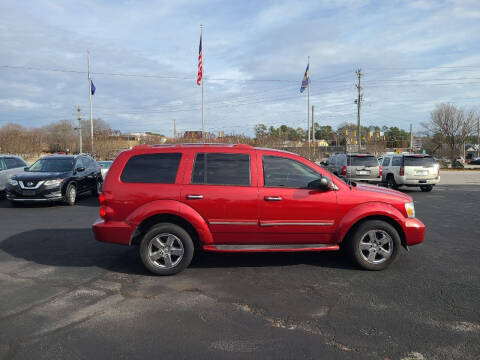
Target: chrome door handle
[194,197]
[272,198]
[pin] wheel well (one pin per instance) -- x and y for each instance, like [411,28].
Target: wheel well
[146,224]
[387,219]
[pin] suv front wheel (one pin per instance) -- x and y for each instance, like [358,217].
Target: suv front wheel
[166,249]
[374,245]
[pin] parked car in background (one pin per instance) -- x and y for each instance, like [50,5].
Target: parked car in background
[104,166]
[355,167]
[475,161]
[410,170]
[173,200]
[9,166]
[56,178]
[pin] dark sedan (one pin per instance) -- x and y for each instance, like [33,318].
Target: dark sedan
[56,178]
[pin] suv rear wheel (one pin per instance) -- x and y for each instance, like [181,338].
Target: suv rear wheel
[426,188]
[374,245]
[391,184]
[166,249]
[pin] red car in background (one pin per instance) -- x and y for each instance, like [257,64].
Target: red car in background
[172,200]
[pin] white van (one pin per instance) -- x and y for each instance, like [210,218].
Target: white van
[410,170]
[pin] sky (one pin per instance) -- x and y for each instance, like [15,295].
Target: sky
[413,54]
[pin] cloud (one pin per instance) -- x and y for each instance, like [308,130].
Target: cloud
[393,42]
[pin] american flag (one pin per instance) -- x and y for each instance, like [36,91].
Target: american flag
[200,68]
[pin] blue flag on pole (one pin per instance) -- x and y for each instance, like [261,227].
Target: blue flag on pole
[306,79]
[92,87]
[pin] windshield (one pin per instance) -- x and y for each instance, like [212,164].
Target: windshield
[104,164]
[425,161]
[370,161]
[52,165]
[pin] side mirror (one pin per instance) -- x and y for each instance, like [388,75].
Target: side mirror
[80,169]
[323,183]
[26,168]
[324,163]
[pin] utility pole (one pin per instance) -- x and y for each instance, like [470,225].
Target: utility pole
[90,92]
[79,118]
[358,101]
[411,138]
[174,129]
[308,102]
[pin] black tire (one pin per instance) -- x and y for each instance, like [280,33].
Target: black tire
[357,245]
[426,188]
[98,188]
[70,195]
[391,184]
[164,232]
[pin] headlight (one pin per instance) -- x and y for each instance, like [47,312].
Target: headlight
[54,182]
[12,182]
[410,209]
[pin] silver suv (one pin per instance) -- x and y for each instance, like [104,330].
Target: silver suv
[410,170]
[355,167]
[9,166]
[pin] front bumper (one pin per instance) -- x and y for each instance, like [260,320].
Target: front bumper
[15,193]
[116,232]
[414,231]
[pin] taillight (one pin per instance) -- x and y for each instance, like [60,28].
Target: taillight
[402,170]
[103,212]
[380,171]
[101,198]
[344,170]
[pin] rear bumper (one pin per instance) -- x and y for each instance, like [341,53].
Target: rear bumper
[414,231]
[114,232]
[418,181]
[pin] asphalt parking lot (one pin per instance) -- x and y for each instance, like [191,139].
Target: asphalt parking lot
[63,295]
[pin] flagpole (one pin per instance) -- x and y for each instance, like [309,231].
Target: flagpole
[90,93]
[203,77]
[308,104]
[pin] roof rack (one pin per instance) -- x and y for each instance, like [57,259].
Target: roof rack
[241,146]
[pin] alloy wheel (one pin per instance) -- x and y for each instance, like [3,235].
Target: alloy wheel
[376,246]
[165,250]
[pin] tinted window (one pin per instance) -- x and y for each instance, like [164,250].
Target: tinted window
[221,169]
[397,161]
[362,161]
[2,165]
[425,161]
[386,161]
[20,162]
[104,164]
[11,163]
[284,172]
[152,168]
[52,165]
[79,163]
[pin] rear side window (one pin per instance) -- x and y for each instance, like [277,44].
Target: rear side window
[386,161]
[397,161]
[221,169]
[20,162]
[370,161]
[11,163]
[152,168]
[425,161]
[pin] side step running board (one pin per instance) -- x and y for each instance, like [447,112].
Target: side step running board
[270,247]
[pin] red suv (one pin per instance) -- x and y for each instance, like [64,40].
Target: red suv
[172,200]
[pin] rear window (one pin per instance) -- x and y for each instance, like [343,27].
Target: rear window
[425,161]
[152,168]
[362,161]
[221,169]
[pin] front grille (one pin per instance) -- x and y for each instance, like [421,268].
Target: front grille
[30,183]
